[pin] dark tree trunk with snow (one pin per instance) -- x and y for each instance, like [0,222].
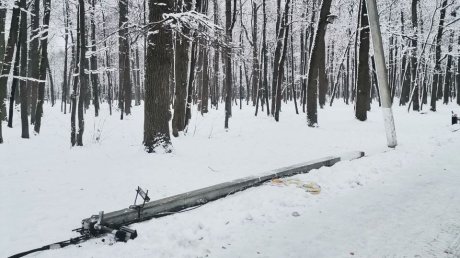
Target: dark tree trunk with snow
[312,88]
[124,61]
[277,56]
[364,82]
[181,69]
[65,85]
[8,59]
[14,86]
[93,62]
[51,89]
[81,73]
[265,58]
[458,74]
[43,64]
[323,82]
[137,74]
[73,97]
[158,65]
[107,64]
[449,74]
[2,53]
[414,60]
[437,68]
[279,80]
[191,79]
[228,61]
[25,89]
[34,57]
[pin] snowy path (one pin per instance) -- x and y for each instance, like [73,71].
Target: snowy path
[368,208]
[397,203]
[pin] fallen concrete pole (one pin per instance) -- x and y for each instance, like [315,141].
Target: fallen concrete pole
[198,197]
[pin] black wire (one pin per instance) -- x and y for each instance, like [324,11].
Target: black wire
[72,241]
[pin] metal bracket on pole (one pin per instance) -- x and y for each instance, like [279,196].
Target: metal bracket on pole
[145,197]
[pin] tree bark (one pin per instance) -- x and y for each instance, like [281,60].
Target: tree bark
[215,86]
[51,89]
[124,61]
[322,75]
[158,65]
[458,73]
[437,68]
[137,74]
[75,93]
[414,60]
[107,65]
[449,75]
[228,61]
[279,80]
[43,64]
[265,58]
[65,86]
[14,86]
[93,62]
[8,59]
[81,73]
[182,67]
[364,82]
[312,89]
[25,89]
[34,57]
[2,54]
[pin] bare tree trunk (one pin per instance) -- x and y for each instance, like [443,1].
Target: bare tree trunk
[66,40]
[25,89]
[205,67]
[265,57]
[279,44]
[285,31]
[34,56]
[124,61]
[107,65]
[458,73]
[182,66]
[228,61]
[158,65]
[448,81]
[322,76]
[43,63]
[3,90]
[75,93]
[414,60]
[53,100]
[14,86]
[215,86]
[437,68]
[363,84]
[188,108]
[93,62]
[7,60]
[81,73]
[137,74]
[312,90]
[255,54]
[205,83]
[293,87]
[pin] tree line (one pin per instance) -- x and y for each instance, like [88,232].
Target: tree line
[176,55]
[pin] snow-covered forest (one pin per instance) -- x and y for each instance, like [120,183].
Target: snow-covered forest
[98,97]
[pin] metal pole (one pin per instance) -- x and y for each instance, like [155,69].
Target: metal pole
[382,73]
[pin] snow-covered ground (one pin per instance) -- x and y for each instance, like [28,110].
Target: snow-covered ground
[391,203]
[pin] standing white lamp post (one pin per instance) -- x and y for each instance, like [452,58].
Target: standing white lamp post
[382,73]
